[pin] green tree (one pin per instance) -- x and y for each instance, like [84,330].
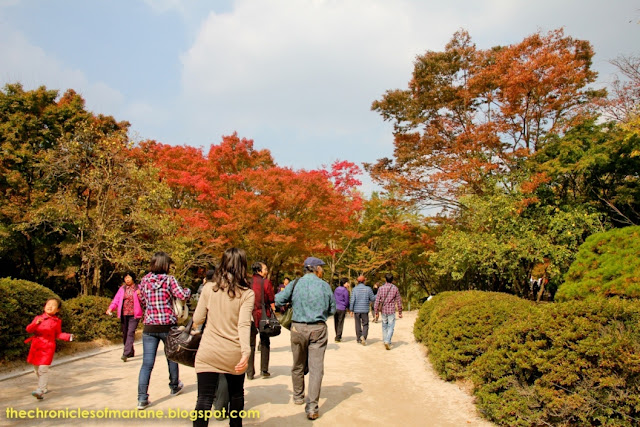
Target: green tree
[498,239]
[113,211]
[31,125]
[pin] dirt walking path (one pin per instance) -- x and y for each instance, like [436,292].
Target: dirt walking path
[363,385]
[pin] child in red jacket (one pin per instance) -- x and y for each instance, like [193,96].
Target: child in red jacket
[46,328]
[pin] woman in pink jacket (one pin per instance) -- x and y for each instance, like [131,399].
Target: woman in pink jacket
[127,302]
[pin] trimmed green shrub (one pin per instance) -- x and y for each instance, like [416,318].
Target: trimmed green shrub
[456,327]
[607,264]
[574,363]
[20,302]
[89,321]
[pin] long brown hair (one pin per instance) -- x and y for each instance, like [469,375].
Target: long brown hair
[232,272]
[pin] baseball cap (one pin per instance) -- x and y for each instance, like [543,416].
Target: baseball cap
[313,262]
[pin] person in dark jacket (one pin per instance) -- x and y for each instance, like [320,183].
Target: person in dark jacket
[261,287]
[341,294]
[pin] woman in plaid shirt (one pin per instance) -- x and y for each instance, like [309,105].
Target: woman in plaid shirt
[157,289]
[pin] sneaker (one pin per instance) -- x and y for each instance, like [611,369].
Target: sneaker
[124,358]
[142,404]
[266,374]
[387,346]
[298,401]
[178,389]
[37,394]
[363,341]
[313,416]
[338,339]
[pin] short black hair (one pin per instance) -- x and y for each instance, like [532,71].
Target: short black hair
[286,278]
[343,281]
[130,273]
[388,277]
[256,267]
[210,273]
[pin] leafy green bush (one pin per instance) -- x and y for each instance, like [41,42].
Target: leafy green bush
[457,324]
[89,321]
[607,264]
[20,302]
[574,363]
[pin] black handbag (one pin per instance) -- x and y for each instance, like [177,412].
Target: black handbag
[268,325]
[182,346]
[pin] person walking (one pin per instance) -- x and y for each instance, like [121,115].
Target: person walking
[263,289]
[312,301]
[157,290]
[387,300]
[129,310]
[226,306]
[341,294]
[361,297]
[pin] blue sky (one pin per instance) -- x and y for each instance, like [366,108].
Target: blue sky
[296,76]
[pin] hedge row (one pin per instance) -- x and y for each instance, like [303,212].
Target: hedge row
[573,363]
[21,301]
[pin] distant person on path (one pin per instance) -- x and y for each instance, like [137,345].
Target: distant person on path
[312,301]
[46,327]
[341,294]
[226,304]
[283,285]
[157,289]
[129,310]
[387,300]
[208,277]
[260,286]
[375,292]
[361,297]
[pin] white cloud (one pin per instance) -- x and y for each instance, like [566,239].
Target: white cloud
[313,67]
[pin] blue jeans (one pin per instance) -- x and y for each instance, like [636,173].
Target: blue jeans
[150,343]
[388,322]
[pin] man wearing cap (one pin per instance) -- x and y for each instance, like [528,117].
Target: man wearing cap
[312,301]
[361,298]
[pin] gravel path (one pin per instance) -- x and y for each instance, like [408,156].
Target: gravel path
[363,385]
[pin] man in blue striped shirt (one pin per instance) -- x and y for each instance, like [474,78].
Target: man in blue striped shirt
[361,299]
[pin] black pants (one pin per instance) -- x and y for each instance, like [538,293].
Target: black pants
[338,320]
[362,325]
[265,349]
[207,384]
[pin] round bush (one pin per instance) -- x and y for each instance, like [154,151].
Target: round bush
[607,264]
[456,327]
[89,321]
[574,363]
[20,302]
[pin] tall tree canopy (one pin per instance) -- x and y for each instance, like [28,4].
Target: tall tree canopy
[471,114]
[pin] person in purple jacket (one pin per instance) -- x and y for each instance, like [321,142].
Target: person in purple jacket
[341,295]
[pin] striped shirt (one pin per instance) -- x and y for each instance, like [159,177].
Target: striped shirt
[388,298]
[156,291]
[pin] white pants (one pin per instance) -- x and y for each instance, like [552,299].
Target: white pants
[42,372]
